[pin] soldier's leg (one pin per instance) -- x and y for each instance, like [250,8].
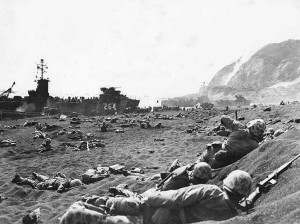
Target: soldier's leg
[125,206]
[40,177]
[220,159]
[95,200]
[78,213]
[147,213]
[26,181]
[161,216]
[97,177]
[42,186]
[119,191]
[207,155]
[59,174]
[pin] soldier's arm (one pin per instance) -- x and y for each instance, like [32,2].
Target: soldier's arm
[230,123]
[175,199]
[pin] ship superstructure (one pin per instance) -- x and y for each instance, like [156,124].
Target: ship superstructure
[110,101]
[40,96]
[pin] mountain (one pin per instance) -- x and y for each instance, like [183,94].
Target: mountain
[270,75]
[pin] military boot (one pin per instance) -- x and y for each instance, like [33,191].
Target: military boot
[23,181]
[34,174]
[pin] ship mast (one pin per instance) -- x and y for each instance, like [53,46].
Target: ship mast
[42,66]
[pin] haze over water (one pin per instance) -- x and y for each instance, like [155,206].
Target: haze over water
[151,49]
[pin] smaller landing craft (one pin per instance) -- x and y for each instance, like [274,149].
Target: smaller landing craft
[10,104]
[239,101]
[4,95]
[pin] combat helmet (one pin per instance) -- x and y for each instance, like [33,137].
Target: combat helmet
[48,143]
[75,183]
[256,127]
[48,140]
[238,182]
[202,171]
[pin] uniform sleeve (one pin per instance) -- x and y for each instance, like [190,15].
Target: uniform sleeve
[184,197]
[231,124]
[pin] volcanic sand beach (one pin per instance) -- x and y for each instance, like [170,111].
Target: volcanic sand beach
[136,148]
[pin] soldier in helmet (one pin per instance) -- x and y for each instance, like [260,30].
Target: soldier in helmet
[104,127]
[201,202]
[58,182]
[241,141]
[46,146]
[186,205]
[268,135]
[237,184]
[183,176]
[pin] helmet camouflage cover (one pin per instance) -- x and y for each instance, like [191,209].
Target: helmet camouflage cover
[238,181]
[75,182]
[256,127]
[202,171]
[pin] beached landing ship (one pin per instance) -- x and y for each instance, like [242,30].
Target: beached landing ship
[113,101]
[109,102]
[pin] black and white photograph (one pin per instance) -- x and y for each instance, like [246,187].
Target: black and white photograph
[149,111]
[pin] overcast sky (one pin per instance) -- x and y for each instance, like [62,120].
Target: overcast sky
[152,49]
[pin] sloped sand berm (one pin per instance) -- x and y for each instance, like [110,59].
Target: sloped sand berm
[280,205]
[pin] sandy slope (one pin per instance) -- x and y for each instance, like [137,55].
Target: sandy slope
[132,149]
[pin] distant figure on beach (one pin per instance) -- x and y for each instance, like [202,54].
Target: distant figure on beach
[241,141]
[45,147]
[104,127]
[186,205]
[58,182]
[145,125]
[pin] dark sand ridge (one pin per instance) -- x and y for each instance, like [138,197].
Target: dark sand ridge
[281,203]
[132,148]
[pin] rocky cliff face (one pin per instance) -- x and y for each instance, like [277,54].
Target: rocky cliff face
[272,74]
[222,77]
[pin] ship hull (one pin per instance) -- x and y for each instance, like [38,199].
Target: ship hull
[96,106]
[10,104]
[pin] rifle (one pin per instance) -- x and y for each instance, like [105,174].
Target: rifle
[264,185]
[171,174]
[164,180]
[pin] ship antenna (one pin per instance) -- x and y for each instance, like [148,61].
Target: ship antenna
[42,66]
